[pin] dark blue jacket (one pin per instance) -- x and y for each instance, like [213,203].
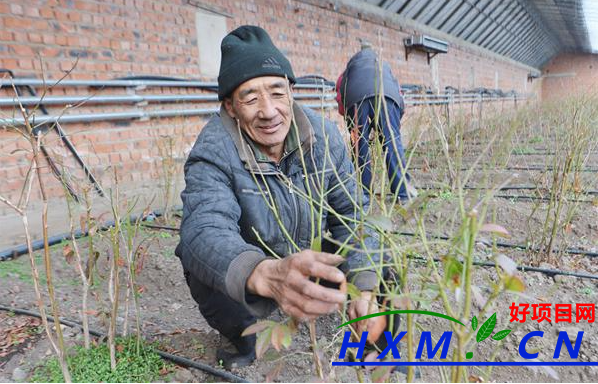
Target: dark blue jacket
[228,224]
[362,80]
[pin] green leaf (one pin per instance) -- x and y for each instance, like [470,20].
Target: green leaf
[381,374]
[501,335]
[453,269]
[287,340]
[381,222]
[513,283]
[486,328]
[353,291]
[263,342]
[474,323]
[316,244]
[278,332]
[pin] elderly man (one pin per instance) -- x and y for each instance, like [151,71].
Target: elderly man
[248,224]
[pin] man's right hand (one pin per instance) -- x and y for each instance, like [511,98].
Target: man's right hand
[287,281]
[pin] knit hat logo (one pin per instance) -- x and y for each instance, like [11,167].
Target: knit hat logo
[271,63]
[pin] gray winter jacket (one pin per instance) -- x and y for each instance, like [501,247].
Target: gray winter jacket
[361,80]
[229,185]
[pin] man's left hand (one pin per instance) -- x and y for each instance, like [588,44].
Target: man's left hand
[363,306]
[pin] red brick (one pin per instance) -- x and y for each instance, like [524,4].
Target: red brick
[47,13]
[22,50]
[34,37]
[6,36]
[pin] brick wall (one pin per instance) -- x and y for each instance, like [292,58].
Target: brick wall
[113,38]
[570,74]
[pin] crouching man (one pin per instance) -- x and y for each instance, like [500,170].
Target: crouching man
[247,223]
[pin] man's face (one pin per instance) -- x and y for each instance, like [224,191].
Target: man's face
[262,106]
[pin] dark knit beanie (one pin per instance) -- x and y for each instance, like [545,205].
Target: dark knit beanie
[248,52]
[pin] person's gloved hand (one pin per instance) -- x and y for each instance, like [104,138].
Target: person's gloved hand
[366,305]
[287,281]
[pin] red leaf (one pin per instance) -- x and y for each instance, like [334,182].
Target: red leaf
[163,371]
[68,253]
[257,327]
[91,312]
[496,229]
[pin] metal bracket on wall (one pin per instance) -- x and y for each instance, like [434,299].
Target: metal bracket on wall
[430,55]
[430,45]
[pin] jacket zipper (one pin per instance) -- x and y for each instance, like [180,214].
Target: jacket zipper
[293,199]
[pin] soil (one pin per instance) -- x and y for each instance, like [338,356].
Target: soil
[169,316]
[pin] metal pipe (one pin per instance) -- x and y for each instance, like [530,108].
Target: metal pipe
[133,99]
[107,83]
[85,118]
[129,83]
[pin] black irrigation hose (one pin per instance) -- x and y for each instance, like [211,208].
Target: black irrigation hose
[506,188]
[548,169]
[525,268]
[541,198]
[571,251]
[165,355]
[165,227]
[515,197]
[19,250]
[515,168]
[549,272]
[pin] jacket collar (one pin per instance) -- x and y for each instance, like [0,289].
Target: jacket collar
[300,133]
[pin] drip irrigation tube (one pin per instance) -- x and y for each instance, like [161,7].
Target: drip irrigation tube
[571,251]
[541,198]
[526,268]
[514,197]
[19,250]
[165,355]
[549,272]
[514,168]
[505,188]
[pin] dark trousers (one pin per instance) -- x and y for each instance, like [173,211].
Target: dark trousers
[223,314]
[388,130]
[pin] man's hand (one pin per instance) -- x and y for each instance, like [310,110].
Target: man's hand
[364,306]
[287,282]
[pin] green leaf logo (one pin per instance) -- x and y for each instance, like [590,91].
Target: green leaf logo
[474,323]
[501,335]
[486,328]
